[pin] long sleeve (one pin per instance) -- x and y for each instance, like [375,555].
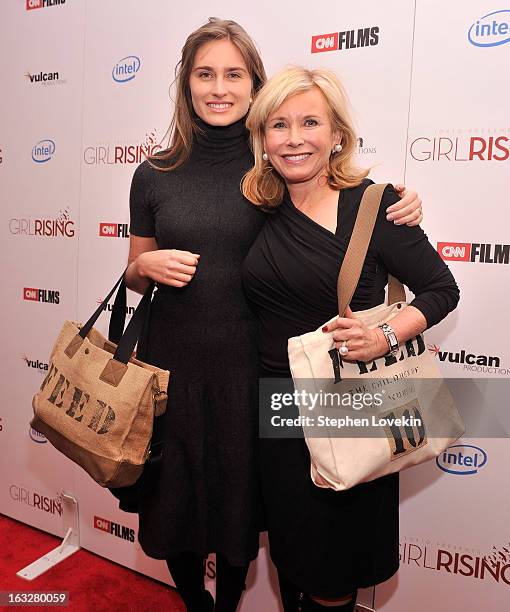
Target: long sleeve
[408,255]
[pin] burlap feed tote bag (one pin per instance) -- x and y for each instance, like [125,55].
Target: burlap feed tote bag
[97,403]
[416,419]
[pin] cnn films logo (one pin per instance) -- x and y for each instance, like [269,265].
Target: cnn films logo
[43,151]
[35,364]
[126,68]
[462,460]
[36,436]
[36,500]
[121,531]
[478,252]
[491,30]
[457,145]
[122,154]
[60,226]
[348,39]
[457,560]
[364,148]
[45,78]
[36,4]
[49,296]
[471,362]
[113,230]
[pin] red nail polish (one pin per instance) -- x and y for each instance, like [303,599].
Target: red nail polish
[325,328]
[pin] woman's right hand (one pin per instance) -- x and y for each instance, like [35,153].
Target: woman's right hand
[168,266]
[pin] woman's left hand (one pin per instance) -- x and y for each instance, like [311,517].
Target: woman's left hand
[363,344]
[408,210]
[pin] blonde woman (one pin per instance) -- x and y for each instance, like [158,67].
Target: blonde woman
[190,230]
[325,544]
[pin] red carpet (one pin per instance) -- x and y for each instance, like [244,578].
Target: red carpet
[94,584]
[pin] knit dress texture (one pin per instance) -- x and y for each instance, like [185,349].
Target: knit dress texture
[205,496]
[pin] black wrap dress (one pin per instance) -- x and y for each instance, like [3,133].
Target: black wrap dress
[328,543]
[205,496]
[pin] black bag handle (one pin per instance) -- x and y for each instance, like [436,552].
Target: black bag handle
[95,316]
[125,340]
[133,330]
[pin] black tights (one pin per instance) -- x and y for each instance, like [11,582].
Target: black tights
[187,571]
[294,600]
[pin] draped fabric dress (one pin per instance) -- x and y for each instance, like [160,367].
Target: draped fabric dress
[205,497]
[328,543]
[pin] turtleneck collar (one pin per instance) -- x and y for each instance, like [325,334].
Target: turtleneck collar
[220,142]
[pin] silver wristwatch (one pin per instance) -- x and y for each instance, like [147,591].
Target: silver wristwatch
[391,338]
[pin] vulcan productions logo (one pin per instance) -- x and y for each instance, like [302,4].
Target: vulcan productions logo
[35,364]
[36,4]
[478,252]
[462,145]
[365,148]
[109,307]
[45,78]
[60,226]
[113,230]
[48,296]
[471,362]
[491,30]
[345,40]
[458,561]
[36,500]
[121,531]
[122,153]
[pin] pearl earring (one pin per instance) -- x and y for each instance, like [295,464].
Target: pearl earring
[265,157]
[337,148]
[251,100]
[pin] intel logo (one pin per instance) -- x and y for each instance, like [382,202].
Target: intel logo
[126,69]
[462,459]
[36,436]
[491,30]
[43,151]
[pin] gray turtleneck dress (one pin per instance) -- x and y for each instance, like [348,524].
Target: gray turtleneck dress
[205,496]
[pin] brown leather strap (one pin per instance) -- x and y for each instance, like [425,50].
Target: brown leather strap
[356,251]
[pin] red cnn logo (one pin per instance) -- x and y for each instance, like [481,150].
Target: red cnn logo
[325,42]
[30,294]
[33,4]
[110,230]
[103,524]
[454,251]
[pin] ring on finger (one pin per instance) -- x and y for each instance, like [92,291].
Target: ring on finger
[343,350]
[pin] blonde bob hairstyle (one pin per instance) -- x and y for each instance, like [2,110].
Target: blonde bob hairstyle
[262,185]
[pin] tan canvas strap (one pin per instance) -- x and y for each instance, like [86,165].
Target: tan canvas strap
[352,265]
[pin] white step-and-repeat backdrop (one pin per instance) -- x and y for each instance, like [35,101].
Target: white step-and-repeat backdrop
[85,90]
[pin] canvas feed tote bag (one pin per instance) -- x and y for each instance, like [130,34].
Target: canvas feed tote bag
[416,419]
[98,402]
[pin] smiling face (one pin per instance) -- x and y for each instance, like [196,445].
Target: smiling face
[299,137]
[220,83]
